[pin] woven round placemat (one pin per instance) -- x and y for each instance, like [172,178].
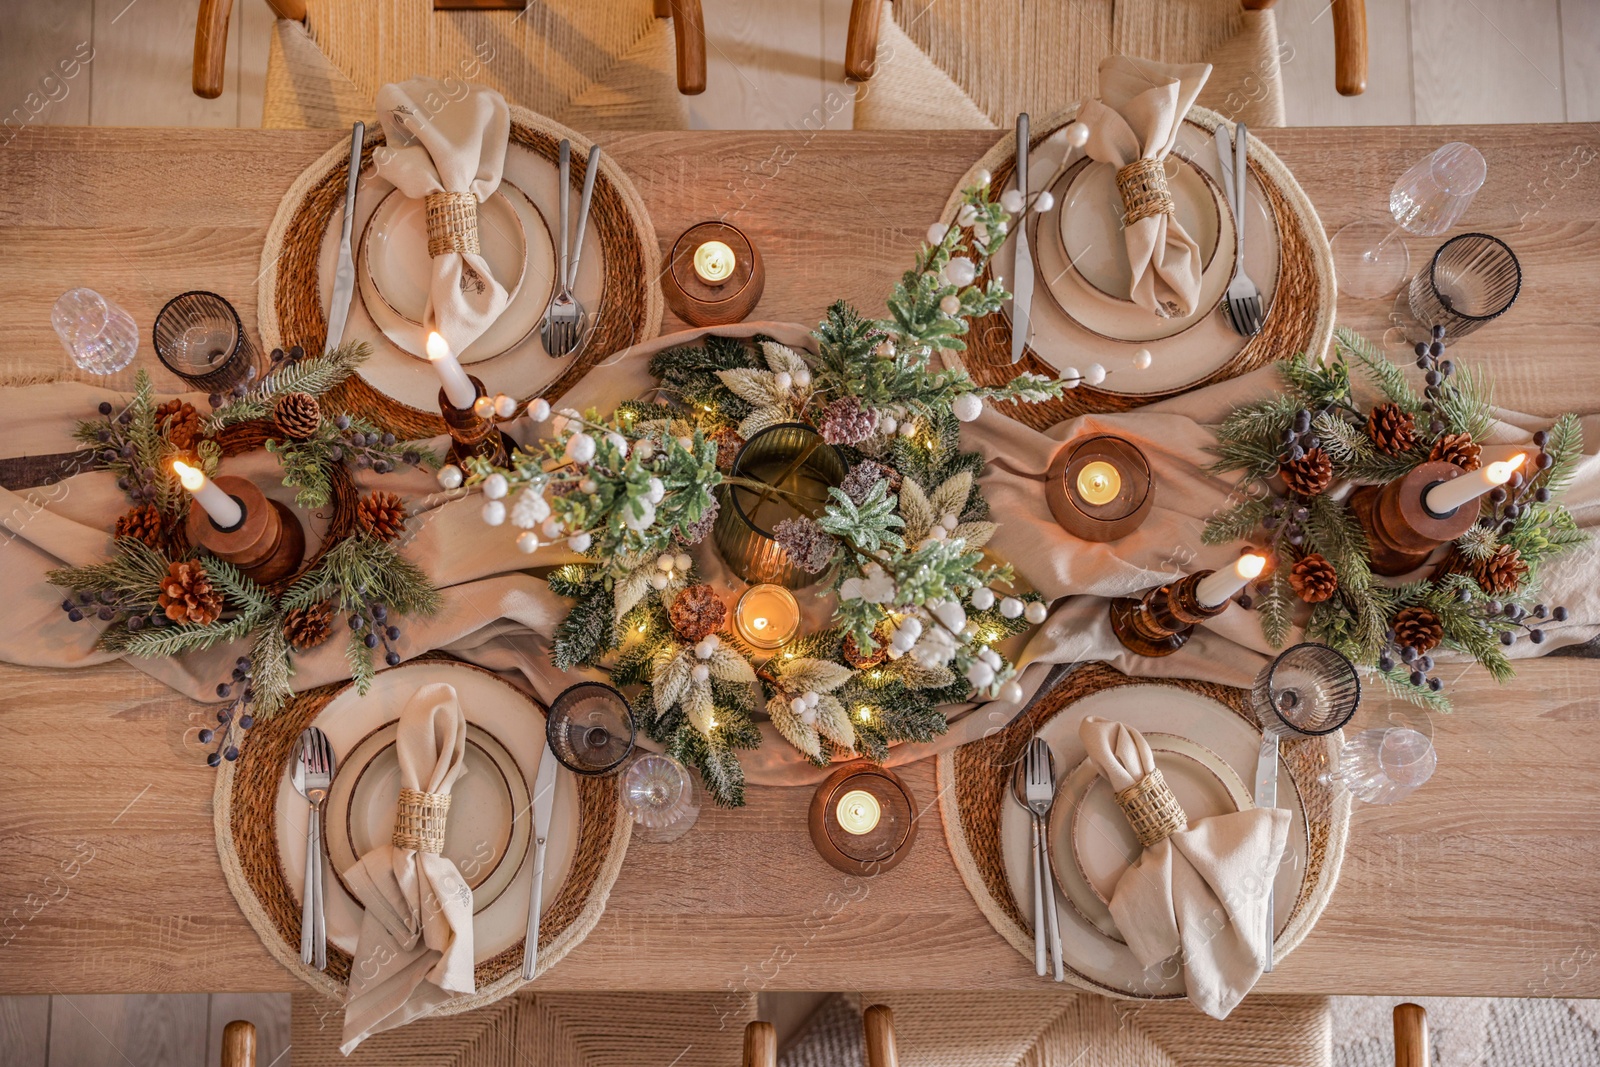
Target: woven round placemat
[1299,320]
[975,784]
[245,803]
[290,311]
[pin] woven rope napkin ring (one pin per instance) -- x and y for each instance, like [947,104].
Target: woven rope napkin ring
[452,223]
[419,820]
[1143,185]
[1152,810]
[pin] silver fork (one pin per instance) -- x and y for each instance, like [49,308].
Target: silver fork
[564,321]
[313,776]
[1041,790]
[1019,791]
[1243,303]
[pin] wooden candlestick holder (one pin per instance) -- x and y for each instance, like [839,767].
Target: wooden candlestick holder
[268,544]
[1401,530]
[470,433]
[1160,622]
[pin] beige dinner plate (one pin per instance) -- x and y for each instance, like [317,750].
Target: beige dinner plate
[487,831]
[1092,231]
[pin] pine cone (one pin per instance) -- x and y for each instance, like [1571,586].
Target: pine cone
[845,422]
[143,523]
[698,612]
[1457,448]
[860,661]
[382,514]
[1308,475]
[187,595]
[1313,579]
[306,628]
[1418,628]
[1502,572]
[297,415]
[1392,428]
[728,444]
[181,422]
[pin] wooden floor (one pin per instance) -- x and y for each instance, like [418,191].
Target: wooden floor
[772,64]
[777,64]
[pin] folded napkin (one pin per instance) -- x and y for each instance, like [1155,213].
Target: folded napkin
[415,948]
[449,149]
[1132,126]
[1199,891]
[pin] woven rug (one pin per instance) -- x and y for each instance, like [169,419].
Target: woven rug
[1300,318]
[974,785]
[244,802]
[290,305]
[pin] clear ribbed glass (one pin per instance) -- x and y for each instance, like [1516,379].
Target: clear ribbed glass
[590,728]
[1472,279]
[100,337]
[1309,690]
[199,338]
[659,793]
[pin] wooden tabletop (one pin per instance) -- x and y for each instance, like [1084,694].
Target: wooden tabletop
[1483,883]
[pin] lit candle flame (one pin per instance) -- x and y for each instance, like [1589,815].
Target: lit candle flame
[191,477]
[1251,565]
[1500,473]
[438,347]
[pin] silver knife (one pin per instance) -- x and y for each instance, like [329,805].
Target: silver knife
[544,796]
[1241,176]
[1022,272]
[344,275]
[1267,797]
[1225,160]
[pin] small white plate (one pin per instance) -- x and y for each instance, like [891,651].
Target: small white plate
[1092,231]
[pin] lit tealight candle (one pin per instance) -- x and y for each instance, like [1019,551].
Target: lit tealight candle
[1218,587]
[714,262]
[1445,497]
[225,511]
[858,812]
[1099,482]
[767,616]
[458,388]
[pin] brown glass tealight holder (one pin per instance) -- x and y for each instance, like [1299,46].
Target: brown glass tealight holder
[1160,622]
[783,472]
[267,544]
[863,818]
[1402,531]
[1100,487]
[723,288]
[472,434]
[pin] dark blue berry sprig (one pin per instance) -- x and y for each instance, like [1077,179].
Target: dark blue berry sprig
[372,616]
[233,718]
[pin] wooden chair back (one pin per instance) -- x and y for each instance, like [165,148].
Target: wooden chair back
[760,1045]
[239,1044]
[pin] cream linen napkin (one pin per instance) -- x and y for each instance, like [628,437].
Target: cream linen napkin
[1140,110]
[441,141]
[415,948]
[1202,891]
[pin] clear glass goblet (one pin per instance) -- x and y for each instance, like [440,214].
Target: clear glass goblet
[100,337]
[1389,760]
[659,793]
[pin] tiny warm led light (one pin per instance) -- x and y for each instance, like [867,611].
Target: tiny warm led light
[858,812]
[1099,482]
[714,262]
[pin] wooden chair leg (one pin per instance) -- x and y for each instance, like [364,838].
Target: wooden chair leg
[1350,46]
[211,47]
[689,38]
[760,1045]
[878,1022]
[239,1044]
[861,39]
[1411,1036]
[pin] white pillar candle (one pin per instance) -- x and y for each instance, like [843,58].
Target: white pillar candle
[1445,497]
[225,511]
[458,388]
[1218,587]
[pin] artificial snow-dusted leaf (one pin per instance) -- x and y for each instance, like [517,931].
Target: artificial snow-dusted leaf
[670,678]
[975,534]
[794,729]
[916,511]
[630,590]
[916,676]
[806,675]
[761,418]
[728,666]
[834,722]
[951,497]
[759,387]
[698,706]
[782,358]
[677,582]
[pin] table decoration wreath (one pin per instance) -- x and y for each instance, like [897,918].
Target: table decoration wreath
[1298,450]
[160,596]
[898,543]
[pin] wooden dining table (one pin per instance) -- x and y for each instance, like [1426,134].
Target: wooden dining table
[1484,883]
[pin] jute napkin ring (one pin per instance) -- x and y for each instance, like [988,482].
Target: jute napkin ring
[452,223]
[1152,810]
[419,820]
[1143,185]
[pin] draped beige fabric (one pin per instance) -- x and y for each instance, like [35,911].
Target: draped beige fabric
[586,63]
[973,64]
